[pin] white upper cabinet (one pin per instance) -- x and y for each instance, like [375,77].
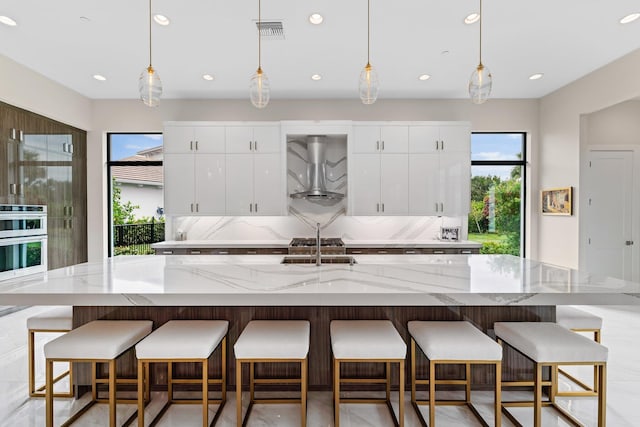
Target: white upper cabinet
[376,139]
[380,184]
[439,169]
[439,137]
[191,139]
[253,139]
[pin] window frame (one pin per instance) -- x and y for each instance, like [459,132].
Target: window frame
[112,163]
[522,163]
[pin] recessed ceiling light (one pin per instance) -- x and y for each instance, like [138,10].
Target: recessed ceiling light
[161,19]
[536,76]
[7,21]
[208,77]
[472,18]
[630,18]
[316,77]
[424,77]
[316,18]
[99,77]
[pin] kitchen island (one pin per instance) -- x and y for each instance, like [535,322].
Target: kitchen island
[479,288]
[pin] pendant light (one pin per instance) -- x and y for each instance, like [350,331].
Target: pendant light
[259,88]
[368,85]
[149,83]
[481,80]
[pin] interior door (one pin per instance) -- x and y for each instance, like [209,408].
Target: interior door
[609,214]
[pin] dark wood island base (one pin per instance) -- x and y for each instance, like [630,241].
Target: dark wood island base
[515,366]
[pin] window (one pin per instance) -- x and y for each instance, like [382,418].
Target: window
[497,192]
[136,206]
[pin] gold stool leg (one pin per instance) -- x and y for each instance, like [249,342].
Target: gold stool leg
[169,382]
[498,395]
[31,346]
[467,386]
[413,370]
[224,369]
[602,395]
[537,398]
[387,369]
[238,393]
[432,393]
[303,392]
[336,393]
[205,393]
[141,393]
[49,392]
[112,393]
[251,383]
[401,396]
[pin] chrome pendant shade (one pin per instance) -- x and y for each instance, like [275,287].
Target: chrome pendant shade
[369,84]
[480,81]
[259,87]
[149,83]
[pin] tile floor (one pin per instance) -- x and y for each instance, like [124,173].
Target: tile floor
[621,333]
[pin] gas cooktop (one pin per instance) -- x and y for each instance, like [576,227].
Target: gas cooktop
[308,245]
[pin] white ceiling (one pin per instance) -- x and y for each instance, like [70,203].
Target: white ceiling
[564,39]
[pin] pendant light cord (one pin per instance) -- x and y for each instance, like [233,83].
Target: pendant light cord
[259,36]
[150,33]
[368,30]
[480,32]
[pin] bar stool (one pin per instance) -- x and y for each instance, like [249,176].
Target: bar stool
[56,320]
[180,341]
[579,321]
[549,344]
[100,341]
[367,341]
[453,342]
[272,341]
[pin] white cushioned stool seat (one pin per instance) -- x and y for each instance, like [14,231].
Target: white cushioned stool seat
[574,318]
[273,339]
[366,339]
[183,339]
[100,339]
[546,342]
[454,340]
[57,319]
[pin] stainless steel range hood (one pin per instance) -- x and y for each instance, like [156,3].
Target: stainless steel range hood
[316,172]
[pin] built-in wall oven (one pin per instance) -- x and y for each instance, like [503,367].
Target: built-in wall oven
[23,240]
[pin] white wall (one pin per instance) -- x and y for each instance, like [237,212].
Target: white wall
[24,88]
[560,148]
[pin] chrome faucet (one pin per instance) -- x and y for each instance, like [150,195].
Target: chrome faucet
[318,255]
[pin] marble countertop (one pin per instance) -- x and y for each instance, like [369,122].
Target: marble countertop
[378,280]
[285,243]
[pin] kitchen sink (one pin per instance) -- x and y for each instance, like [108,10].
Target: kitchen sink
[334,259]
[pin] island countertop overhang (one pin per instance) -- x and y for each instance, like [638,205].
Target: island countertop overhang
[375,280]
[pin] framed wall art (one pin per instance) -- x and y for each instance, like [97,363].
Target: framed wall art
[557,201]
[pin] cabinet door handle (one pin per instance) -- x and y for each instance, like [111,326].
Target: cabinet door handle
[256,208]
[441,207]
[197,207]
[250,207]
[377,145]
[12,188]
[191,207]
[191,145]
[377,207]
[70,210]
[437,146]
[382,145]
[167,252]
[223,253]
[70,148]
[442,145]
[13,133]
[465,252]
[21,134]
[436,207]
[356,252]
[196,145]
[410,252]
[438,252]
[383,207]
[255,145]
[195,252]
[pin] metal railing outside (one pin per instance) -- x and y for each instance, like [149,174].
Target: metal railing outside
[136,239]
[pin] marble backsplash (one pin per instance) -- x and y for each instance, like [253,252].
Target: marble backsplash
[297,225]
